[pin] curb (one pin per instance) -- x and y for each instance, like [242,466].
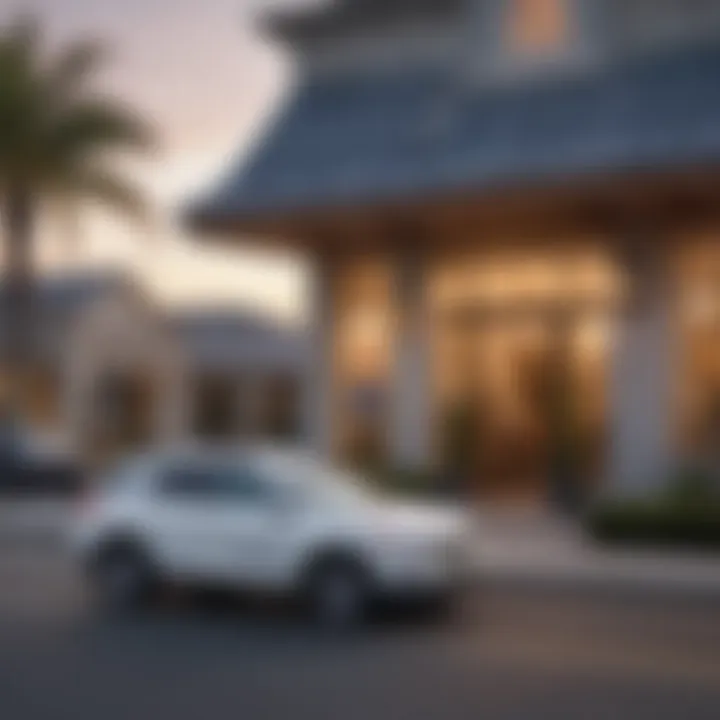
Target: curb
[606,581]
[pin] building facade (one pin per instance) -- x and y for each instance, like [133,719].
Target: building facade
[512,211]
[114,372]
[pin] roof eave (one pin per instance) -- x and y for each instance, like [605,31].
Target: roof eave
[592,199]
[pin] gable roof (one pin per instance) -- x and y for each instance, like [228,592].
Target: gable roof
[368,138]
[230,339]
[58,302]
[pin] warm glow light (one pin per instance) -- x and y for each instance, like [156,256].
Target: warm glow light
[593,336]
[703,308]
[538,26]
[368,331]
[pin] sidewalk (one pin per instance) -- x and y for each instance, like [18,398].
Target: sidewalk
[531,545]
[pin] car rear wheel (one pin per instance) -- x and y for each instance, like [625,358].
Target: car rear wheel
[121,577]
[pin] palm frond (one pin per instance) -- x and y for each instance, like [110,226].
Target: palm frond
[111,190]
[21,41]
[99,125]
[73,68]
[50,121]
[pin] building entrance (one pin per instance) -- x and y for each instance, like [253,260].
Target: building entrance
[534,383]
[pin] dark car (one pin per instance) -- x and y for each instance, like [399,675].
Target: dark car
[30,464]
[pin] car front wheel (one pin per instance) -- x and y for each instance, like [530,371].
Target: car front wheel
[337,594]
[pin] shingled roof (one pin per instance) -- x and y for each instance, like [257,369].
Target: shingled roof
[349,16]
[368,138]
[228,339]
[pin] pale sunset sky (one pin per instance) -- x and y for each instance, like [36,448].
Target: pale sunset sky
[199,70]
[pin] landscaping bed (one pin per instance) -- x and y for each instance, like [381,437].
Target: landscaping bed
[656,524]
[686,514]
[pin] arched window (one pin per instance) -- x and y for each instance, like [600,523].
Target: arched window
[538,27]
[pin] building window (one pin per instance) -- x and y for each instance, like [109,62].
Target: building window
[538,27]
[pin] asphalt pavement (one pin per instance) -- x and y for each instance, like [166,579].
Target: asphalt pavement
[518,652]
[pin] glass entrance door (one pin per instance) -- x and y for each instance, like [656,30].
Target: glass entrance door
[537,383]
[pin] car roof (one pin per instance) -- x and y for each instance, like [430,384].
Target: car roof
[271,453]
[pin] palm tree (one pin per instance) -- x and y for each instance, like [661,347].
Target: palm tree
[58,140]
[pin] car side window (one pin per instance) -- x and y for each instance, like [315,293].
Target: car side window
[210,482]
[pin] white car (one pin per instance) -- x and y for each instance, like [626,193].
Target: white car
[266,520]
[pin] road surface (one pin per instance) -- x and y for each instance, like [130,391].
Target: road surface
[521,652]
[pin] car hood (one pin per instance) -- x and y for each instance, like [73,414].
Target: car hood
[420,518]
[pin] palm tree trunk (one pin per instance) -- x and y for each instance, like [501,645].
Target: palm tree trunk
[17,213]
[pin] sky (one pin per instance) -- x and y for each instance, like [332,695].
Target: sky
[200,71]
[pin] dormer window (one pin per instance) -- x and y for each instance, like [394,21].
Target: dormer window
[538,28]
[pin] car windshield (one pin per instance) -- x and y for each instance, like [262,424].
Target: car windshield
[332,484]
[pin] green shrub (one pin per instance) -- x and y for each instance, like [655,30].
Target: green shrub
[687,513]
[657,524]
[692,488]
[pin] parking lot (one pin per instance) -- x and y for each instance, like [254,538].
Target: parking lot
[520,651]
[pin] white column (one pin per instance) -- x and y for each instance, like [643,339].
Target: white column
[642,377]
[410,408]
[318,391]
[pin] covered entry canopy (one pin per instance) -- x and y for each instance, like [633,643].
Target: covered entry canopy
[386,141]
[620,155]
